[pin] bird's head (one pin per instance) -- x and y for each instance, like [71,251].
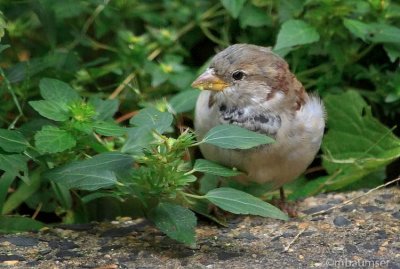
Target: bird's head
[251,73]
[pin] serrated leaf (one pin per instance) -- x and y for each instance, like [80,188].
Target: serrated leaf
[153,119]
[14,224]
[234,137]
[233,6]
[12,141]
[239,202]
[209,167]
[56,90]
[175,221]
[184,101]
[53,110]
[52,139]
[98,172]
[294,33]
[108,128]
[356,144]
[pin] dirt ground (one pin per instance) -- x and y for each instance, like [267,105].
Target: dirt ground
[362,234]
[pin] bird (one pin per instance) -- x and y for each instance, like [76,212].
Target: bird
[252,87]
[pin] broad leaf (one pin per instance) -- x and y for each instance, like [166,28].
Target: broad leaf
[105,109]
[153,119]
[12,141]
[14,163]
[233,6]
[253,16]
[234,137]
[51,139]
[239,202]
[374,32]
[393,51]
[138,139]
[294,33]
[98,172]
[184,101]
[175,221]
[54,110]
[56,90]
[356,144]
[14,224]
[108,128]
[209,167]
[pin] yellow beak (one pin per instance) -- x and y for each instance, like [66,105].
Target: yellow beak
[209,81]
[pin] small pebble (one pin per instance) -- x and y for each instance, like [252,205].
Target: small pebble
[372,208]
[348,208]
[317,209]
[341,221]
[396,215]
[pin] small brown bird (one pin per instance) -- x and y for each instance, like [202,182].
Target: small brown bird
[252,87]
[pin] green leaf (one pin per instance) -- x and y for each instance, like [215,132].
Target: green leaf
[12,141]
[56,90]
[23,192]
[6,179]
[54,110]
[4,47]
[184,101]
[254,16]
[356,144]
[15,224]
[234,137]
[108,128]
[294,33]
[175,221]
[153,119]
[373,32]
[209,167]
[98,172]
[239,202]
[138,139]
[3,25]
[289,9]
[233,6]
[105,109]
[51,139]
[357,28]
[14,163]
[393,51]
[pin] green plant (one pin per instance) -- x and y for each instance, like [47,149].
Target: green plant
[79,135]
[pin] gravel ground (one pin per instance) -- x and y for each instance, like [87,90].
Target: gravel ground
[361,234]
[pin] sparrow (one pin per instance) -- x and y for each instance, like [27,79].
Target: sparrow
[252,87]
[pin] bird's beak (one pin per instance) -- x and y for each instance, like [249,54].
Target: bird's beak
[209,81]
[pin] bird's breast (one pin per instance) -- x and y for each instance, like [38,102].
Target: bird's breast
[250,117]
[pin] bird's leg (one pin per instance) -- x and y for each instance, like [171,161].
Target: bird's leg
[285,206]
[282,194]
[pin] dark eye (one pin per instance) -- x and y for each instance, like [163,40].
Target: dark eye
[238,75]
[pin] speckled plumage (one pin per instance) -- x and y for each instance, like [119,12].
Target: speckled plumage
[268,99]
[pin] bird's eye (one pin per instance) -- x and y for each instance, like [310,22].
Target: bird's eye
[238,75]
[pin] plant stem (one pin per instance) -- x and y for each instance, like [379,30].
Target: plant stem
[193,195]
